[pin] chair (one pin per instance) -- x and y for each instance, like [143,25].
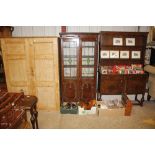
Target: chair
[151,82]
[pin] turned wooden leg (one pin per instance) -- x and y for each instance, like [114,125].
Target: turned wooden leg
[32,121]
[136,97]
[148,97]
[36,118]
[142,100]
[32,116]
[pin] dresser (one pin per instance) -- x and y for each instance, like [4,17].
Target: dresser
[121,62]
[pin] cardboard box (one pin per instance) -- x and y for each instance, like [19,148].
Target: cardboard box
[104,110]
[111,112]
[81,111]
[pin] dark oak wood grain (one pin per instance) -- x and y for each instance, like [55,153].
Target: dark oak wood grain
[80,87]
[111,84]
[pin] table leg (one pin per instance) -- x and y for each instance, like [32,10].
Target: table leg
[32,121]
[32,117]
[148,97]
[142,100]
[36,118]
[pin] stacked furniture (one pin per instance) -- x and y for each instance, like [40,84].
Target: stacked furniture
[121,61]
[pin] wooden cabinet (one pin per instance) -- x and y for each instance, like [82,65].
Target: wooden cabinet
[31,65]
[110,85]
[6,31]
[78,59]
[113,46]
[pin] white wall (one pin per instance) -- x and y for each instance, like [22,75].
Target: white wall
[20,31]
[106,28]
[55,30]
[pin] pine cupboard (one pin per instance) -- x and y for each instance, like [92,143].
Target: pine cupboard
[31,65]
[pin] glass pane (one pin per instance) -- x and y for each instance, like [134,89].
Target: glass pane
[88,51]
[88,43]
[69,51]
[70,61]
[73,72]
[69,44]
[70,57]
[88,61]
[67,72]
[88,48]
[70,72]
[87,72]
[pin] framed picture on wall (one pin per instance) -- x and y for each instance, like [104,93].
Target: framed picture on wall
[136,55]
[130,41]
[124,54]
[114,54]
[118,41]
[104,54]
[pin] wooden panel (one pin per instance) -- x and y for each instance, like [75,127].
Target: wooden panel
[46,97]
[107,38]
[88,89]
[136,84]
[45,71]
[17,66]
[112,84]
[70,90]
[15,56]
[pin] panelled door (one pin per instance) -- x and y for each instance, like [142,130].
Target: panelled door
[70,69]
[16,64]
[44,52]
[31,65]
[88,68]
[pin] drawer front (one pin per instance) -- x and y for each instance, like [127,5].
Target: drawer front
[112,77]
[136,84]
[111,84]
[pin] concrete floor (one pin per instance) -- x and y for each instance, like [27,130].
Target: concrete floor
[141,118]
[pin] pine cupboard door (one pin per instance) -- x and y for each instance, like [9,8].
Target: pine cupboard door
[45,73]
[16,64]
